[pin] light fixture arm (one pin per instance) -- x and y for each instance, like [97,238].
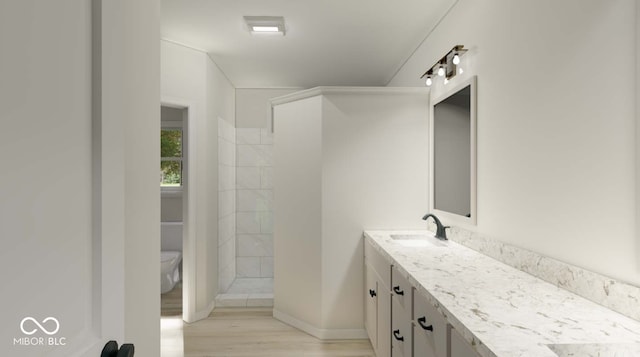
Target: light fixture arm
[446,62]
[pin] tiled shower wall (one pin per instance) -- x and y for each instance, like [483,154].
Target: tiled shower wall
[254,190]
[226,204]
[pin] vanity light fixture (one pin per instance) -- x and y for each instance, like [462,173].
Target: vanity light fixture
[265,24]
[456,58]
[429,75]
[446,67]
[428,81]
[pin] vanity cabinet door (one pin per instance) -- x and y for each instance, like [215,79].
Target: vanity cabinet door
[429,330]
[401,290]
[371,305]
[401,332]
[384,320]
[377,301]
[460,347]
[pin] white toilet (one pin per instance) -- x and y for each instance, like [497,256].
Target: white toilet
[169,270]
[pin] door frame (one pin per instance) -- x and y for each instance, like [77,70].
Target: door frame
[188,206]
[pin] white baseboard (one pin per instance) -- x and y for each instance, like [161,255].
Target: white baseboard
[203,314]
[323,334]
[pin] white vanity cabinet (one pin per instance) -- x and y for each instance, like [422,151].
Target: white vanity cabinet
[400,320]
[429,329]
[377,301]
[460,347]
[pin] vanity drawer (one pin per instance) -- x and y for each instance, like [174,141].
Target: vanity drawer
[378,262]
[430,328]
[401,339]
[401,290]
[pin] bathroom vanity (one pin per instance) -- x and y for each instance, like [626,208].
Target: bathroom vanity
[430,298]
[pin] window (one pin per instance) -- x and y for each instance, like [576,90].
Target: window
[171,157]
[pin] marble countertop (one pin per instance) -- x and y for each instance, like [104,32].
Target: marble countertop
[503,311]
[597,350]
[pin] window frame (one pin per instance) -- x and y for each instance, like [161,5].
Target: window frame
[174,190]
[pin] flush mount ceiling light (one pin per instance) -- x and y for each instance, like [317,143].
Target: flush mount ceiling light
[447,66]
[265,24]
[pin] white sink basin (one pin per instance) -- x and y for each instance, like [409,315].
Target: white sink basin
[417,240]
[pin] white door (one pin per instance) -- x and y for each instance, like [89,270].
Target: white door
[65,148]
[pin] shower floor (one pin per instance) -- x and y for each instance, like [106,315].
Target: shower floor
[247,292]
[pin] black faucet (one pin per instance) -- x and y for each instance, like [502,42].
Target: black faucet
[441,232]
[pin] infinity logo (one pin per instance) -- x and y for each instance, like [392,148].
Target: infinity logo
[31,332]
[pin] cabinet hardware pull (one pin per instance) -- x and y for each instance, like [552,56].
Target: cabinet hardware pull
[372,292]
[396,334]
[423,323]
[396,289]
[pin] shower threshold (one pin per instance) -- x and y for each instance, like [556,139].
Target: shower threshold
[247,292]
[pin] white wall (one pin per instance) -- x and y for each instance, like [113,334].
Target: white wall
[253,108]
[556,124]
[140,90]
[344,163]
[189,76]
[46,137]
[84,120]
[298,233]
[374,176]
[130,107]
[220,105]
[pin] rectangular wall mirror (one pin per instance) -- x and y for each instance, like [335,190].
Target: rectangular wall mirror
[452,164]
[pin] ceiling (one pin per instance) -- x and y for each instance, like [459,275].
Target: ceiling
[327,42]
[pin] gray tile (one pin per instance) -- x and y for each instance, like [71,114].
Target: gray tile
[248,222]
[247,267]
[254,245]
[248,178]
[254,200]
[266,267]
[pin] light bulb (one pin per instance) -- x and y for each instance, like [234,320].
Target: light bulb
[446,81]
[265,28]
[441,71]
[456,59]
[429,82]
[460,70]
